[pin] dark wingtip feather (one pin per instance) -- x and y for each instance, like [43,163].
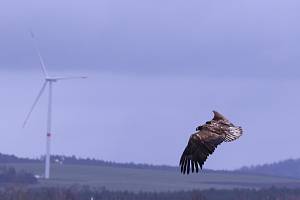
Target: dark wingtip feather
[193,166]
[197,167]
[184,165]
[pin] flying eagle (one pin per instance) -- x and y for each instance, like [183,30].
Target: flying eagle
[205,140]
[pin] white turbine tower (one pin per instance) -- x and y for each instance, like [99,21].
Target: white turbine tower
[49,80]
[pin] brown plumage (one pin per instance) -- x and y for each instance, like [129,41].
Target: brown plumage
[205,140]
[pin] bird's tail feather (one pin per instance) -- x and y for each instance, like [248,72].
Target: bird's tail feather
[234,133]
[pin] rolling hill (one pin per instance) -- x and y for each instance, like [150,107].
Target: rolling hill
[141,177]
[287,168]
[118,178]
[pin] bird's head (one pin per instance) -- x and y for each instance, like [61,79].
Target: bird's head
[218,116]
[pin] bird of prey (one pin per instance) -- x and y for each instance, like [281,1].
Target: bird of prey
[205,140]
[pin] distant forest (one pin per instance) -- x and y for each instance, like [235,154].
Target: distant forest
[288,168]
[59,159]
[8,175]
[86,193]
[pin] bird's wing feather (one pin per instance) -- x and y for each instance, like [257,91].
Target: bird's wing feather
[201,144]
[233,133]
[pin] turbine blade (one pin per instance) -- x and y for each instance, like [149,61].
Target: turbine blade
[70,77]
[38,53]
[34,103]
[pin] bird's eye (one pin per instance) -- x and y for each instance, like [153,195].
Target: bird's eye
[209,122]
[198,128]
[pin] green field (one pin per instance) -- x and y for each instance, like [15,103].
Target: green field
[115,178]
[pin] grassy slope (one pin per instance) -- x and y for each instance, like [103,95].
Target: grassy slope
[115,178]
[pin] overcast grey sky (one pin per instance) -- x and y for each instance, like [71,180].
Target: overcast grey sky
[156,71]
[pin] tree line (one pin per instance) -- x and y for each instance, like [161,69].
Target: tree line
[61,159]
[77,192]
[287,168]
[9,175]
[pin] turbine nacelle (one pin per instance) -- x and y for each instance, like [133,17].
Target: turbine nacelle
[50,79]
[58,78]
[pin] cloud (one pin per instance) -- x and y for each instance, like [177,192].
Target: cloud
[249,38]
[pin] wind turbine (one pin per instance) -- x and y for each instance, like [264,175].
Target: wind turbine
[49,80]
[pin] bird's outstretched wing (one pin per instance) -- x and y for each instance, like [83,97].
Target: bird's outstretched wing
[201,144]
